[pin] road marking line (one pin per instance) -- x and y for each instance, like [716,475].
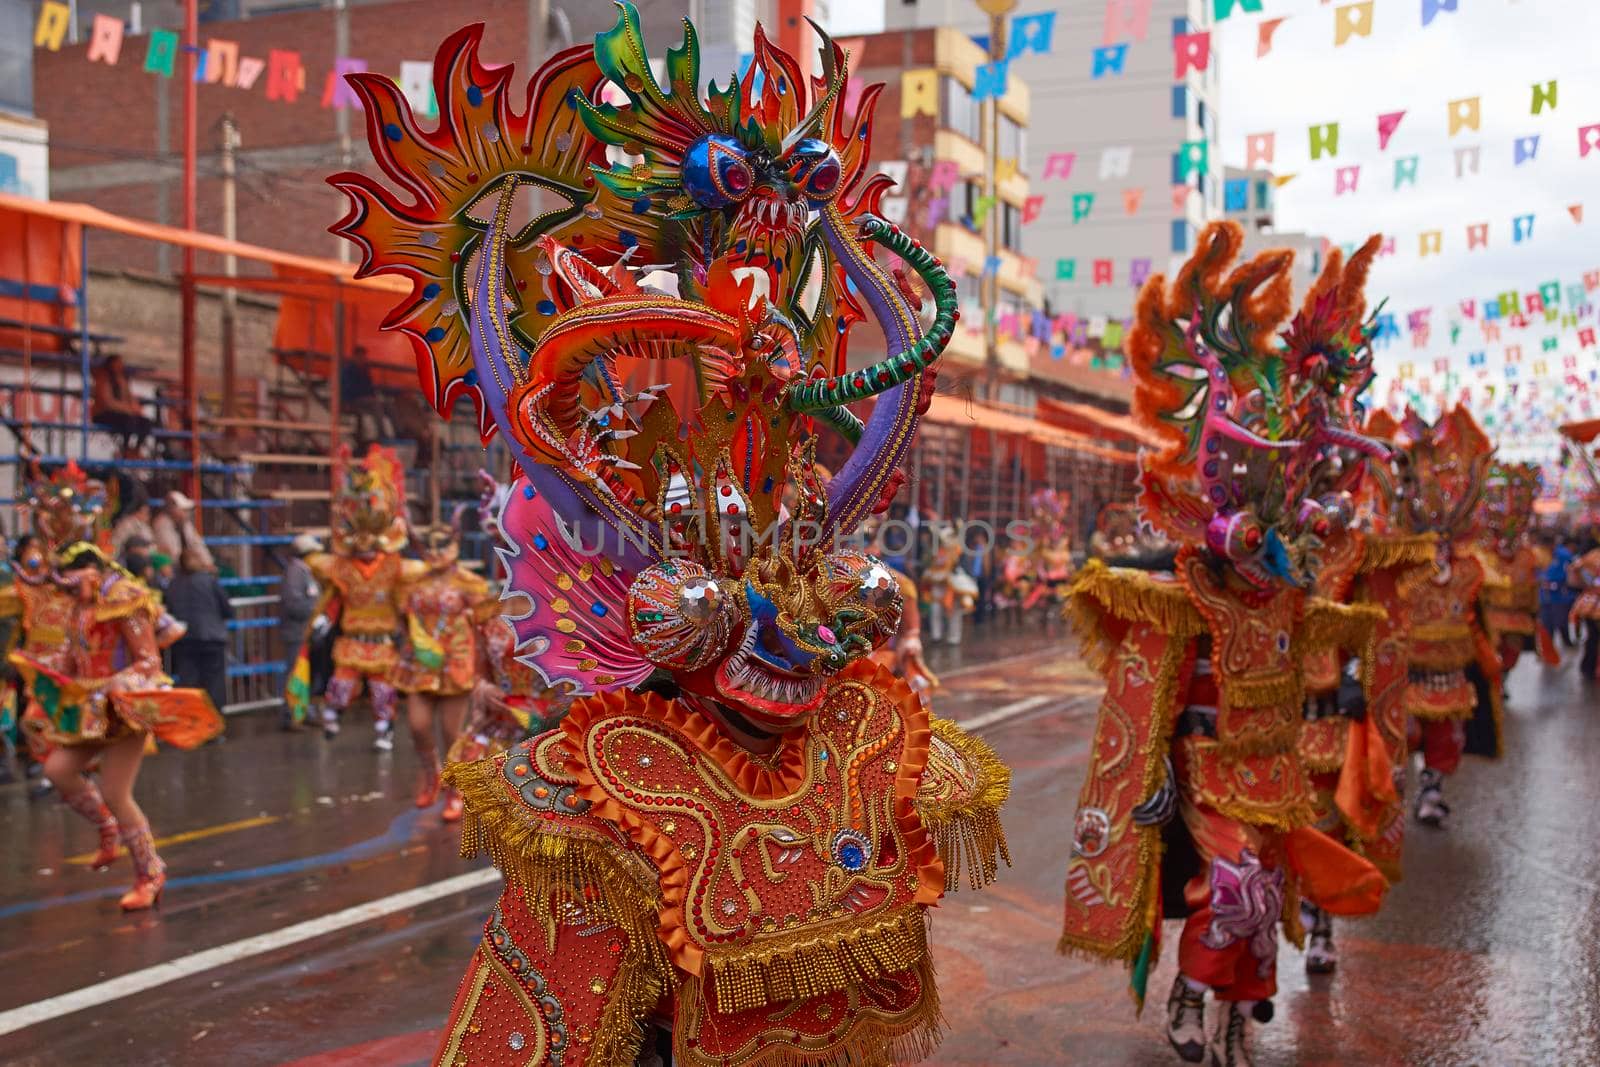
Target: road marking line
[974,668]
[194,835]
[186,966]
[1007,711]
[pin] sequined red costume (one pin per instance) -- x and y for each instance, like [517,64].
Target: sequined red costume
[1197,803]
[739,825]
[1453,694]
[90,662]
[361,580]
[1511,611]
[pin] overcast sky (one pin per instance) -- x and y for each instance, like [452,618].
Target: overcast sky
[1491,49]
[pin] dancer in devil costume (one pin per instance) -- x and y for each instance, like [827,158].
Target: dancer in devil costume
[1197,803]
[90,663]
[1453,694]
[1511,610]
[361,580]
[735,832]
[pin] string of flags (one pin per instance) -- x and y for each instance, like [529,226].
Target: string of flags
[282,72]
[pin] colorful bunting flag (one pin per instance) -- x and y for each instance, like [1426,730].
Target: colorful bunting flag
[1463,115]
[1345,179]
[1477,236]
[1522,229]
[1467,160]
[1059,165]
[1108,59]
[1259,149]
[1544,96]
[1264,31]
[1032,33]
[1352,20]
[1130,200]
[919,93]
[989,82]
[51,28]
[1082,204]
[1430,8]
[1126,20]
[1524,149]
[1325,140]
[1405,170]
[1387,124]
[1190,51]
[162,53]
[286,76]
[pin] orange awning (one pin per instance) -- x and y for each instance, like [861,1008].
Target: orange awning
[87,215]
[1581,432]
[305,338]
[40,271]
[1088,419]
[957,411]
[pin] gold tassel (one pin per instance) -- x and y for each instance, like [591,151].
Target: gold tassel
[1129,595]
[967,830]
[1338,626]
[775,970]
[548,857]
[873,1040]
[1404,550]
[554,866]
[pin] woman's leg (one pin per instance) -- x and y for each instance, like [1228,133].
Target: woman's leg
[453,720]
[119,770]
[66,767]
[420,709]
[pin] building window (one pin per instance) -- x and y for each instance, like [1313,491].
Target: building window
[1011,227]
[961,113]
[1180,25]
[1013,141]
[1200,118]
[1180,101]
[1262,203]
[1180,235]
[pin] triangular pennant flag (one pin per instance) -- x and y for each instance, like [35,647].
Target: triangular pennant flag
[1264,31]
[1280,180]
[1387,124]
[1576,211]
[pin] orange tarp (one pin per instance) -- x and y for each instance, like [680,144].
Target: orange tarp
[956,411]
[40,257]
[305,337]
[1581,432]
[86,215]
[1087,419]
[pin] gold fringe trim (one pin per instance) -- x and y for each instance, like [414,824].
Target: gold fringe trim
[1328,625]
[552,869]
[967,831]
[873,1041]
[1408,550]
[1441,657]
[777,970]
[1264,690]
[1129,595]
[536,855]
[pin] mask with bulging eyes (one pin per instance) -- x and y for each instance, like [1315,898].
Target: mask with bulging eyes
[765,643]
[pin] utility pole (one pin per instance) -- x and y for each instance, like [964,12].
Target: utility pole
[341,115]
[230,263]
[997,10]
[191,386]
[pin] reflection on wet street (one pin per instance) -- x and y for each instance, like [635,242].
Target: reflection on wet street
[1487,953]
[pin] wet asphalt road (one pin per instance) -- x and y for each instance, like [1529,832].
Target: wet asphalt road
[1487,954]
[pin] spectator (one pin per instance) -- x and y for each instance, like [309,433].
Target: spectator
[174,531]
[200,656]
[298,600]
[135,559]
[133,517]
[978,561]
[160,571]
[113,405]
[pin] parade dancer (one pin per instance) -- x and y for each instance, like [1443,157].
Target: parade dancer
[91,668]
[740,823]
[1453,693]
[1052,552]
[1353,744]
[444,605]
[361,581]
[1511,610]
[1195,779]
